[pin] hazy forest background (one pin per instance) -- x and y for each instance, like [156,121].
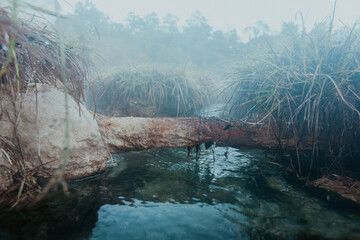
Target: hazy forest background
[150,40]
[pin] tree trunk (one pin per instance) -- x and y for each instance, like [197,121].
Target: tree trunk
[133,133]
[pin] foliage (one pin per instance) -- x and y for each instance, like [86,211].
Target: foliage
[30,54]
[259,29]
[305,85]
[167,90]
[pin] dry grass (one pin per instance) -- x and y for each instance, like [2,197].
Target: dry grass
[30,54]
[160,88]
[305,85]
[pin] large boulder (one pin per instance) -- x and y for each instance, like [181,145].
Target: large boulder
[35,125]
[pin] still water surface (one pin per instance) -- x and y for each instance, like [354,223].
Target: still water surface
[161,194]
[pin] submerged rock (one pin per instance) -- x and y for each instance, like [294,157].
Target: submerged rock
[344,186]
[35,124]
[276,184]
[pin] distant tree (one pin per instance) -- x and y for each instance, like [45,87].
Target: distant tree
[152,22]
[134,23]
[260,28]
[88,13]
[197,25]
[170,24]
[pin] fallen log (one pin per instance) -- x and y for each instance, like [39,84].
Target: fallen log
[134,133]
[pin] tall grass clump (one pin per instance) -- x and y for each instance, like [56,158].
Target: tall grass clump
[29,54]
[306,86]
[161,92]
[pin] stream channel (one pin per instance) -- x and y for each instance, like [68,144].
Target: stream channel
[161,194]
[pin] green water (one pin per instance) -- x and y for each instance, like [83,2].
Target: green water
[161,194]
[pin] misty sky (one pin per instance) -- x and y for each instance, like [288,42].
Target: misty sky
[229,14]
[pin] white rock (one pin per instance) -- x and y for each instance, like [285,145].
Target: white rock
[41,133]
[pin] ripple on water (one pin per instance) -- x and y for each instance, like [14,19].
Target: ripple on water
[238,192]
[161,194]
[168,221]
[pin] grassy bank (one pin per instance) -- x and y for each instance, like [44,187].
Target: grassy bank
[304,84]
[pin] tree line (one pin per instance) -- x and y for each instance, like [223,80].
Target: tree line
[149,39]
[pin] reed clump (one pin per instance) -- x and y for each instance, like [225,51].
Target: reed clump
[152,91]
[305,84]
[29,54]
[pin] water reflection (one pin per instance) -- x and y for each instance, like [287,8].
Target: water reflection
[242,189]
[149,220]
[161,194]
